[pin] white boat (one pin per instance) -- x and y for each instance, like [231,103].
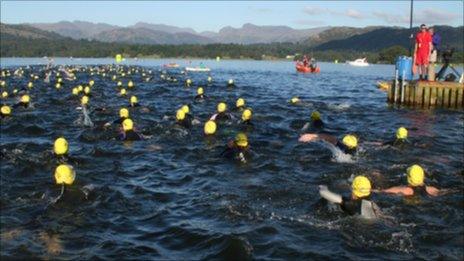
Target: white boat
[359,62]
[197,69]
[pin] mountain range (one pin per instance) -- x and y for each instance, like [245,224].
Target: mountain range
[146,33]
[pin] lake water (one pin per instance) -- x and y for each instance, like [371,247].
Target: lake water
[173,196]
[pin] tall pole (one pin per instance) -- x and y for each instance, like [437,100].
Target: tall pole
[411,42]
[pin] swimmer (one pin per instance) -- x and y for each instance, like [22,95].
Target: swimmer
[5,111]
[315,122]
[210,79]
[416,186]
[184,118]
[246,117]
[200,94]
[347,145]
[210,128]
[238,148]
[24,101]
[239,104]
[60,150]
[359,203]
[134,102]
[188,82]
[295,100]
[123,114]
[230,83]
[222,114]
[128,132]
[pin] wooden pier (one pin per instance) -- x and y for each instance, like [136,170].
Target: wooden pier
[424,94]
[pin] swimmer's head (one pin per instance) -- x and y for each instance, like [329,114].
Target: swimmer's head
[124,113]
[80,88]
[85,100]
[60,147]
[180,115]
[4,94]
[230,82]
[75,91]
[65,174]
[295,100]
[315,116]
[186,109]
[119,83]
[200,91]
[30,85]
[130,84]
[240,103]
[210,78]
[241,140]
[91,83]
[402,133]
[188,81]
[5,110]
[221,107]
[361,187]
[133,100]
[127,125]
[415,175]
[350,141]
[58,85]
[87,90]
[210,127]
[246,115]
[25,99]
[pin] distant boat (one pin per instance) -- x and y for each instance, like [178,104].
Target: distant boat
[358,62]
[197,69]
[171,65]
[306,69]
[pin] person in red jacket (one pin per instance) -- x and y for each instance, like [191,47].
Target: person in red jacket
[422,51]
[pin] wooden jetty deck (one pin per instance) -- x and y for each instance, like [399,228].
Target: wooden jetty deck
[424,94]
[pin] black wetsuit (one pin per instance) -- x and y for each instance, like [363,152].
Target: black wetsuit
[317,124]
[345,149]
[134,105]
[24,105]
[396,143]
[223,116]
[131,135]
[352,206]
[236,152]
[119,121]
[247,123]
[420,190]
[200,97]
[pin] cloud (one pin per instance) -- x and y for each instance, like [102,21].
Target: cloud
[355,14]
[310,22]
[423,16]
[315,10]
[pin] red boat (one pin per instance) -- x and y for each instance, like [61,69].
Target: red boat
[306,69]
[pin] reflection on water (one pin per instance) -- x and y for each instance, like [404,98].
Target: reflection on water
[172,196]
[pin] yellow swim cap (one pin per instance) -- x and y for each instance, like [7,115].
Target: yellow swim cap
[246,115]
[113,78]
[127,125]
[295,100]
[87,90]
[401,133]
[415,175]
[65,174]
[60,147]
[240,102]
[80,88]
[91,82]
[25,98]
[130,84]
[221,107]
[30,85]
[59,80]
[185,108]
[84,100]
[200,91]
[119,83]
[315,116]
[124,113]
[180,114]
[133,99]
[210,127]
[189,81]
[123,92]
[15,91]
[75,91]
[57,85]
[4,94]
[350,141]
[361,187]
[241,140]
[6,110]
[230,81]
[210,78]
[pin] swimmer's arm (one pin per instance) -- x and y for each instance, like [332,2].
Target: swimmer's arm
[329,195]
[433,191]
[406,191]
[310,137]
[213,117]
[305,127]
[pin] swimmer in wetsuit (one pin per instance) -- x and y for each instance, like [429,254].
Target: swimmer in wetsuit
[416,185]
[5,111]
[359,203]
[347,145]
[237,148]
[316,121]
[222,114]
[123,114]
[24,101]
[200,94]
[128,131]
[246,117]
[239,104]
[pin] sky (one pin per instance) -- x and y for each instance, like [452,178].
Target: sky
[213,15]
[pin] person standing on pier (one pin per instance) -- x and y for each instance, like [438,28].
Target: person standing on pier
[422,51]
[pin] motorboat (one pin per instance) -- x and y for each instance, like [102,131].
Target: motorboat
[359,62]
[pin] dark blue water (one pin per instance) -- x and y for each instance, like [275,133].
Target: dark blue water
[172,196]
